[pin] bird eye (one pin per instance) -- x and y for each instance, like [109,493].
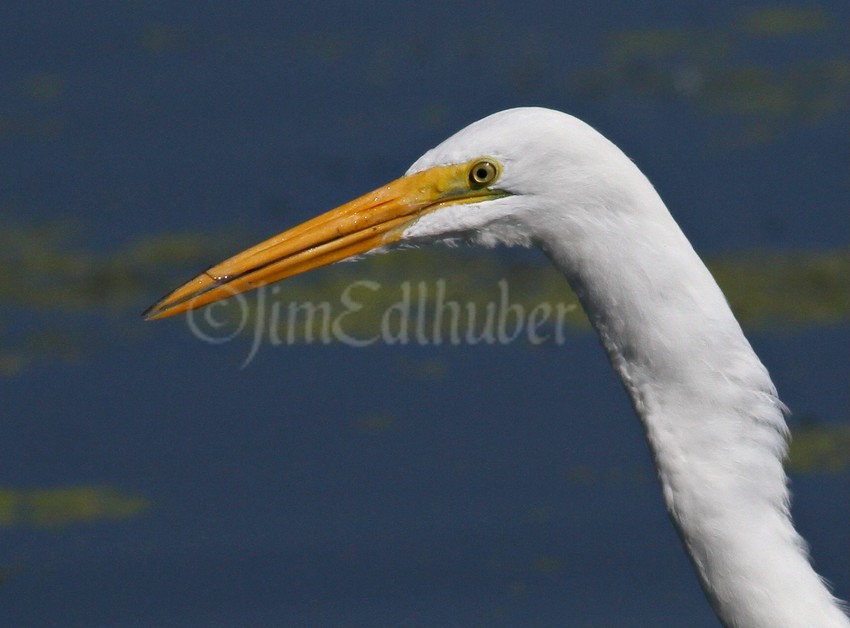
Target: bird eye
[482,173]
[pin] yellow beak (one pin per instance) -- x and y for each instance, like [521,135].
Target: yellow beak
[368,222]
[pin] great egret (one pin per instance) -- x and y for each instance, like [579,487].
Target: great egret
[712,417]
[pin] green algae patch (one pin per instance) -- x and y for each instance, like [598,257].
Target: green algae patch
[64,506]
[820,449]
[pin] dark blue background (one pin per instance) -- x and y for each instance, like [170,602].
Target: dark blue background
[506,485]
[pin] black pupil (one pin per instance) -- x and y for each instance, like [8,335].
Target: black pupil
[481,174]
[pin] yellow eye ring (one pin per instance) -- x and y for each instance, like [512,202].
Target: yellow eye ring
[483,173]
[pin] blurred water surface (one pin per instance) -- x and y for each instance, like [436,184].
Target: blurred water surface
[146,479]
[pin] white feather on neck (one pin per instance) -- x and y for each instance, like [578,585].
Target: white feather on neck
[712,417]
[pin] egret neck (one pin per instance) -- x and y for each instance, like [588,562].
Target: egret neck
[712,417]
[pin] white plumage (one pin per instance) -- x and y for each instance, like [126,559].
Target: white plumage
[712,417]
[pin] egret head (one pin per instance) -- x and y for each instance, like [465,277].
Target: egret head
[544,160]
[493,182]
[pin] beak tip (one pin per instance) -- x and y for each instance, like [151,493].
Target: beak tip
[154,312]
[193,294]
